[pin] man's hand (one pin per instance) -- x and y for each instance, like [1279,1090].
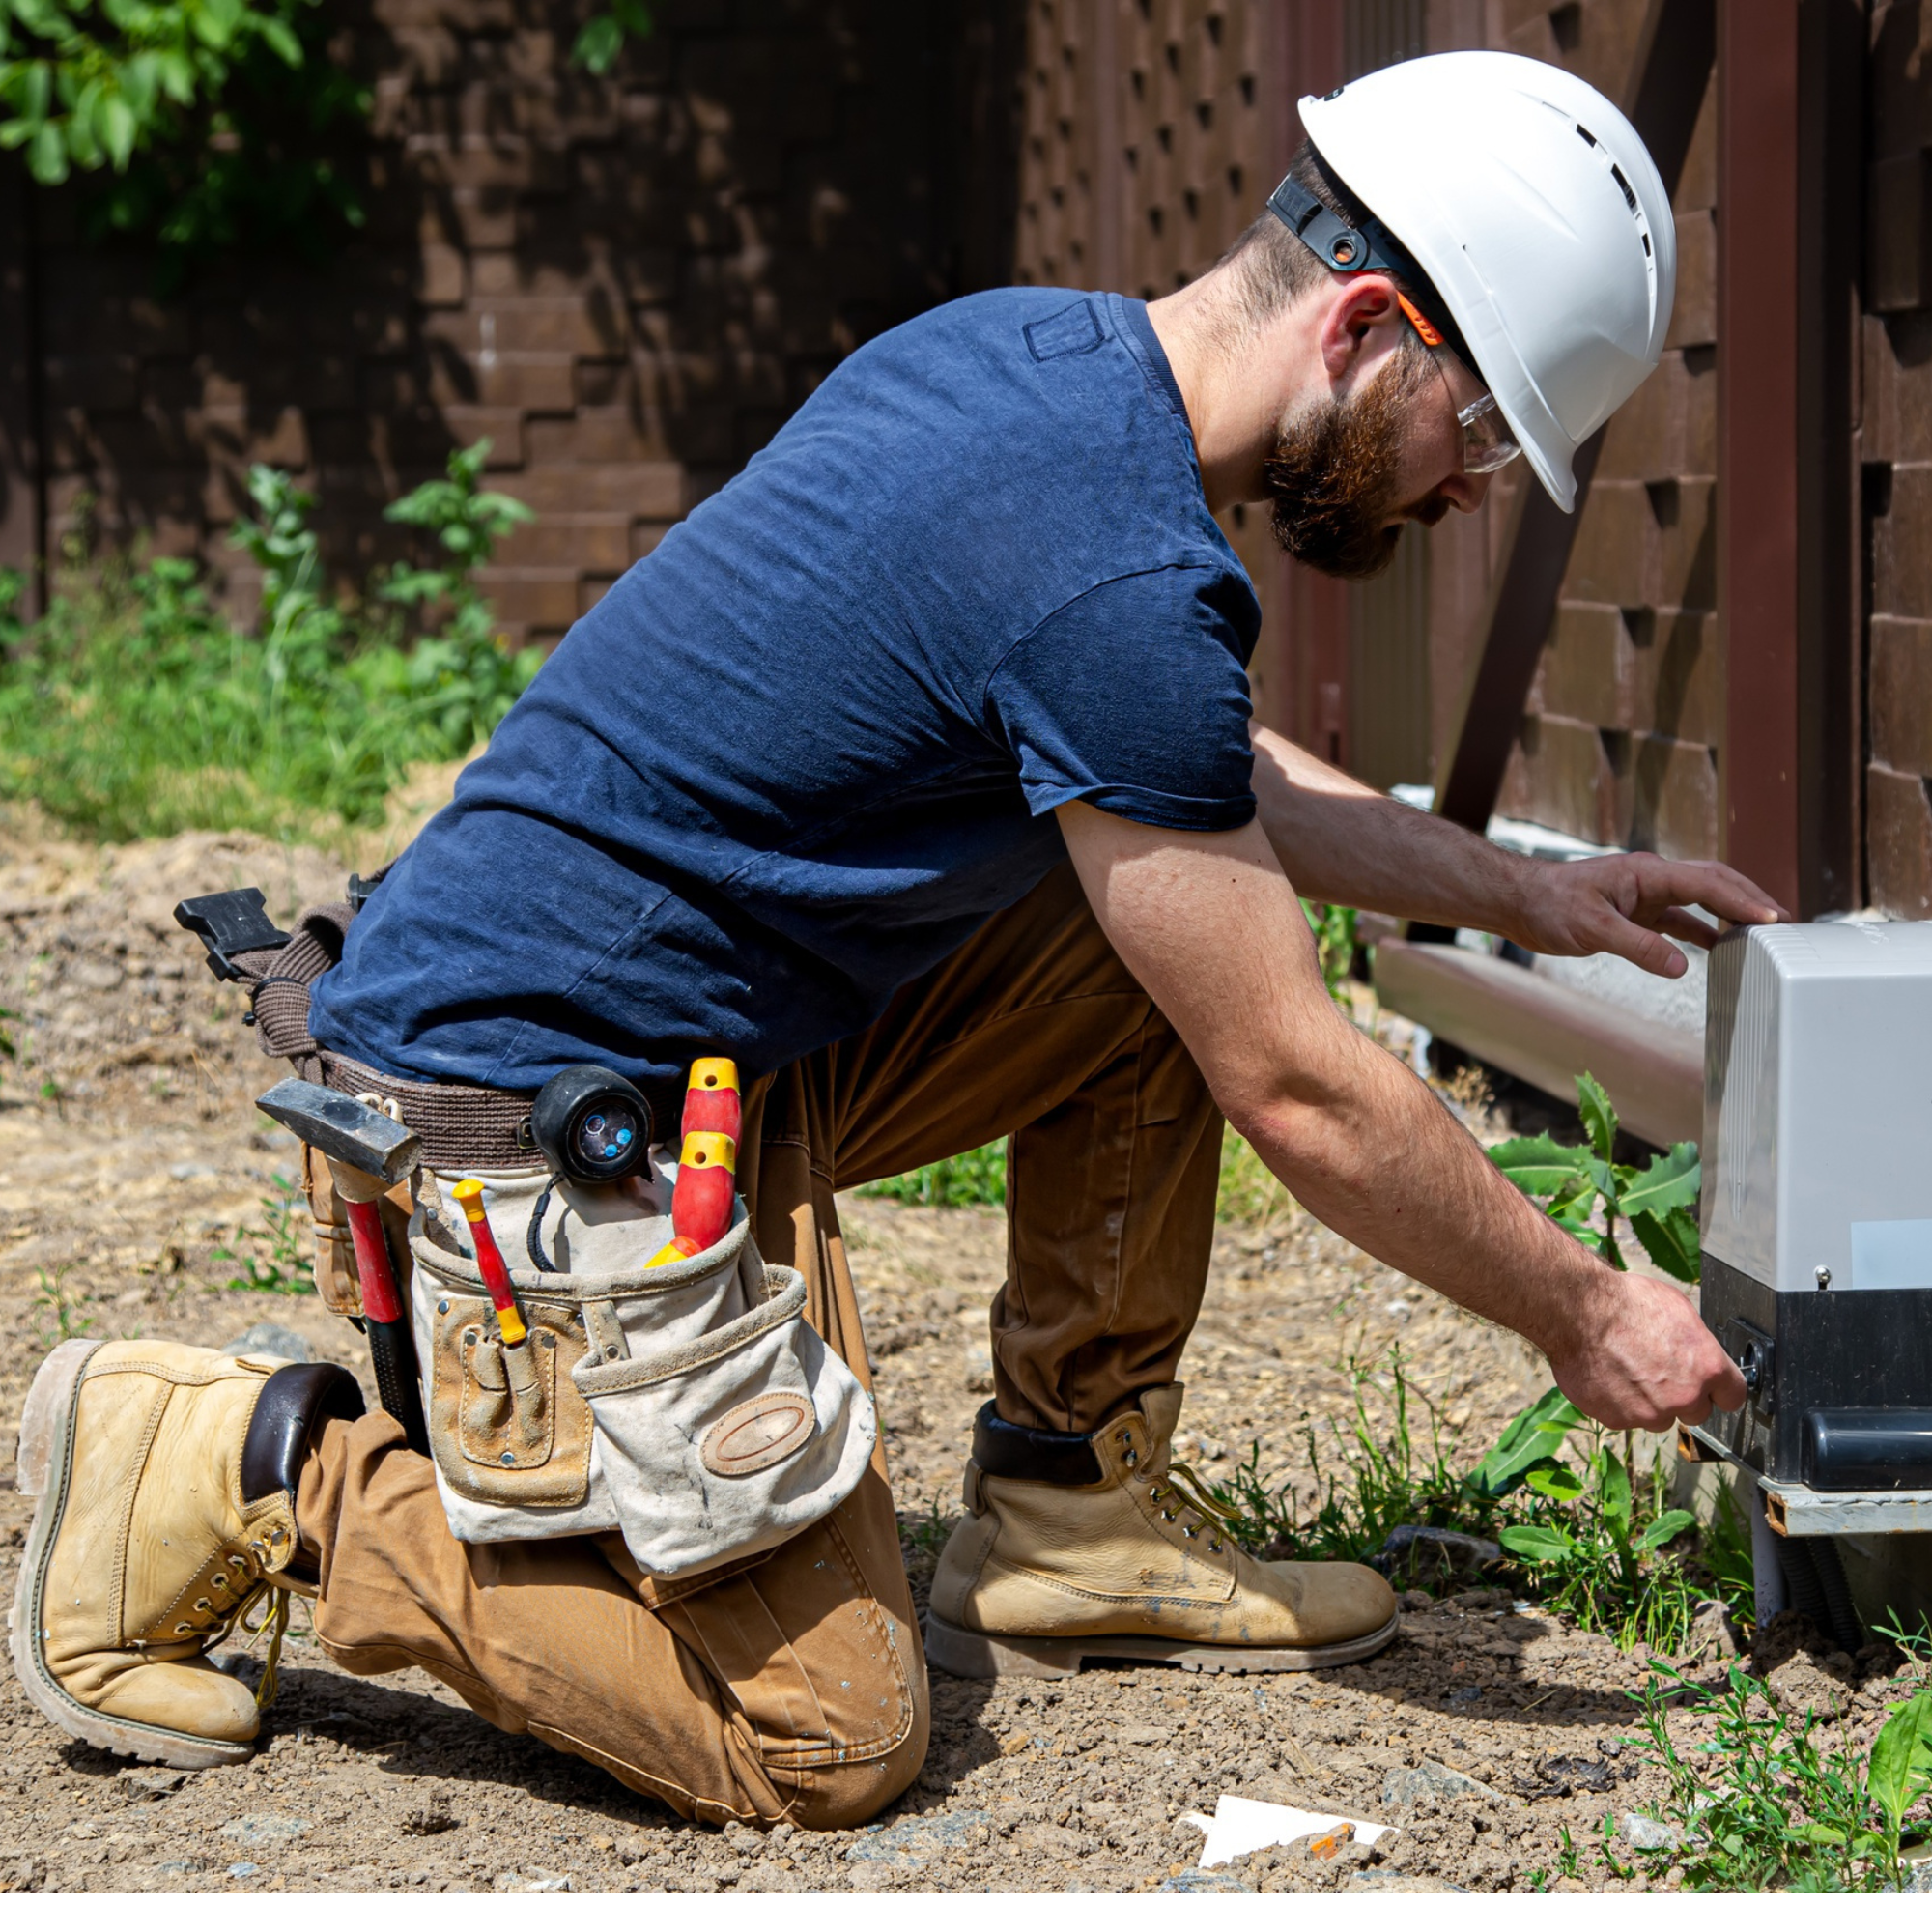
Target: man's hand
[1627,902]
[1638,1358]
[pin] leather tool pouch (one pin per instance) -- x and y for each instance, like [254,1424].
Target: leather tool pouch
[689,1406]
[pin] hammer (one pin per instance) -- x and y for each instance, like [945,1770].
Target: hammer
[367,1153]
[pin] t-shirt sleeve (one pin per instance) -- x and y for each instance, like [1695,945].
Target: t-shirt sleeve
[1134,698]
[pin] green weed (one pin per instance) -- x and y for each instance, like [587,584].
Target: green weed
[1582,1538]
[1575,1182]
[56,1312]
[289,1266]
[135,709]
[1334,930]
[1770,1802]
[1366,1480]
[1249,1191]
[973,1179]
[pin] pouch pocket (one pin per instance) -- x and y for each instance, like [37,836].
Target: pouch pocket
[729,1441]
[507,1425]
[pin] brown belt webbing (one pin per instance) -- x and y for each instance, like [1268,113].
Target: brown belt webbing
[461,1128]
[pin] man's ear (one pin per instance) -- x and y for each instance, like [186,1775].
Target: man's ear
[1361,311]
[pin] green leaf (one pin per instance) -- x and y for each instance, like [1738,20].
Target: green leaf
[1613,1490]
[599,44]
[1671,1242]
[1559,1482]
[1528,1439]
[116,121]
[1670,1180]
[1536,1545]
[1537,1166]
[1897,1771]
[1599,1118]
[282,40]
[47,154]
[1672,1522]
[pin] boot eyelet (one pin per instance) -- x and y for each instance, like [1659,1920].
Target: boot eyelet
[202,1603]
[183,1629]
[1132,1460]
[1167,1516]
[1214,1546]
[1189,1531]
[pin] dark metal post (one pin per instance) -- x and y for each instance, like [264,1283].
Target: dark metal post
[1789,157]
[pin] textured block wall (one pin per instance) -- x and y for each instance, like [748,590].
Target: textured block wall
[1897,450]
[627,284]
[1624,724]
[1148,133]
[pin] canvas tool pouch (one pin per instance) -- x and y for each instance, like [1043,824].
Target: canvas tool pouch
[689,1406]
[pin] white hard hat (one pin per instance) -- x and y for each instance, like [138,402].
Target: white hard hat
[1537,212]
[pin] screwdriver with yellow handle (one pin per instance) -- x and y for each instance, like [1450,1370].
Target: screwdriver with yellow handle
[490,1263]
[701,1204]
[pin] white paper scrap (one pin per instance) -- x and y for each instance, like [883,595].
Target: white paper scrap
[1243,1825]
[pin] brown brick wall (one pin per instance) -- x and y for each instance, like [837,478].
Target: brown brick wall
[627,284]
[1624,731]
[1181,97]
[1897,451]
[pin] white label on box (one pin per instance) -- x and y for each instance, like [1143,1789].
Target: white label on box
[1892,1254]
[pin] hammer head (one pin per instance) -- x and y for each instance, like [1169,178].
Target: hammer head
[340,1127]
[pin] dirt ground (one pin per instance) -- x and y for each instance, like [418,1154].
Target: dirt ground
[129,1155]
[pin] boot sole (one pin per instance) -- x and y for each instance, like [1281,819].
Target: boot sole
[964,1653]
[45,1466]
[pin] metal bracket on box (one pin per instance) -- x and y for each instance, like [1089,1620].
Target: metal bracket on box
[1794,1509]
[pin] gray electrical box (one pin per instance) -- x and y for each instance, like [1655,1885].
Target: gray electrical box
[1817,1199]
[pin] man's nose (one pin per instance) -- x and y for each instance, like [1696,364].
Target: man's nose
[1466,492]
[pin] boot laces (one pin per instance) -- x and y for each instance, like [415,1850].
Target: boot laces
[1185,1488]
[225,1605]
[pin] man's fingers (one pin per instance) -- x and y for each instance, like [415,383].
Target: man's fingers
[1718,890]
[1687,926]
[1729,1392]
[1643,948]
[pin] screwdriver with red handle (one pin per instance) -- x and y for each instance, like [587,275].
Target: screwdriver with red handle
[490,1263]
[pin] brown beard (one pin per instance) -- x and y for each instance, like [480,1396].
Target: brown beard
[1332,478]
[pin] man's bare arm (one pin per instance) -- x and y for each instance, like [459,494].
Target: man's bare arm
[1343,842]
[1210,925]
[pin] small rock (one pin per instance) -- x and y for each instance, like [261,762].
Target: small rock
[1202,1881]
[257,1830]
[536,1878]
[909,1842]
[157,1783]
[242,1868]
[1432,1783]
[429,1822]
[270,1338]
[979,1367]
[1650,1834]
[188,1170]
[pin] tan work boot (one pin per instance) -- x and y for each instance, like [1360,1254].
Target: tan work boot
[1080,1546]
[166,1479]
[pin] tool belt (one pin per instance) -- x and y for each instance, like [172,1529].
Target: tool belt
[689,1406]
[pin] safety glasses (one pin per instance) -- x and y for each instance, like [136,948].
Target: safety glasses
[1487,443]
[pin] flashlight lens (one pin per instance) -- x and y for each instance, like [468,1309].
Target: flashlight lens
[605,1135]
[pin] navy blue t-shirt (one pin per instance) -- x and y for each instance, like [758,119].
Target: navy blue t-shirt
[810,744]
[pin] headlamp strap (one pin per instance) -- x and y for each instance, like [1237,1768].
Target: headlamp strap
[1351,250]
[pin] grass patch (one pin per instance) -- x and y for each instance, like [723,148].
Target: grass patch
[1782,1801]
[135,708]
[1553,1498]
[977,1178]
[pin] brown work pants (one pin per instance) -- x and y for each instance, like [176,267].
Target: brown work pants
[793,1685]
